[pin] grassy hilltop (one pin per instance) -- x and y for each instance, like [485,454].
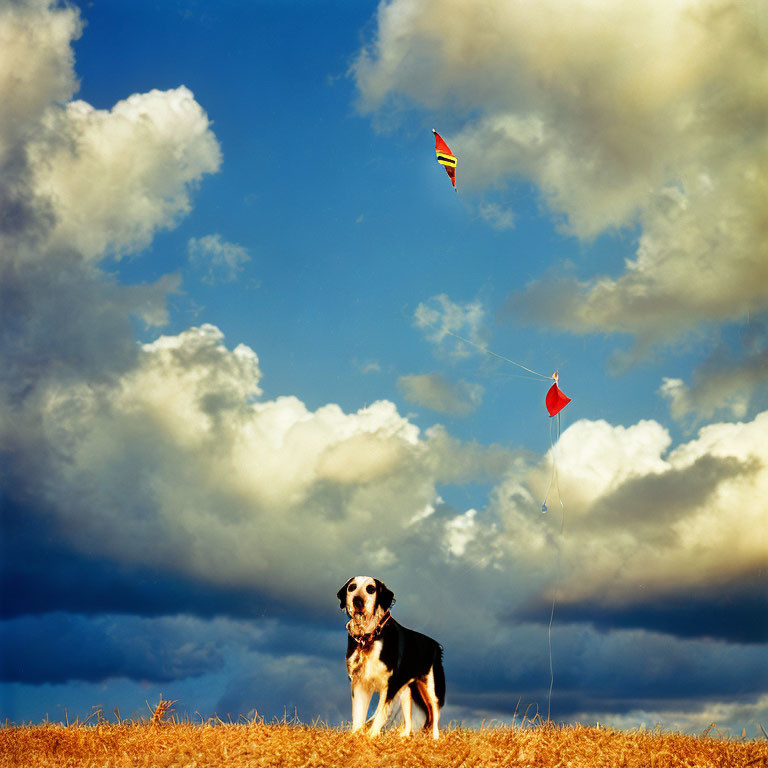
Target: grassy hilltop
[166,745]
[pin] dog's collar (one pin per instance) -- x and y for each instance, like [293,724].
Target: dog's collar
[368,638]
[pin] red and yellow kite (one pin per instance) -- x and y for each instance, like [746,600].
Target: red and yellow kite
[445,157]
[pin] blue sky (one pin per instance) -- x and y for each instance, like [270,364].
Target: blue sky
[232,275]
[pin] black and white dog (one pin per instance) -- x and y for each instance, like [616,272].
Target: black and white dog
[386,658]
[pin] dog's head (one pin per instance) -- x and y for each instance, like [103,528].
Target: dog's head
[365,598]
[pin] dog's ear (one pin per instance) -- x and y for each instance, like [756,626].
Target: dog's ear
[342,595]
[386,597]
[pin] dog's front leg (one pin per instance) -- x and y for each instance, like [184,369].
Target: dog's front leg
[405,705]
[361,698]
[381,715]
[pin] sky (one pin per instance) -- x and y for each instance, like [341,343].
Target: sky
[254,344]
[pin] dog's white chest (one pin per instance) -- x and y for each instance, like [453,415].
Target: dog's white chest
[366,669]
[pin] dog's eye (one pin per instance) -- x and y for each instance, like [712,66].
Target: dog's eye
[351,587]
[370,589]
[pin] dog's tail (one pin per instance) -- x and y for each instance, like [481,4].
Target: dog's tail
[439,674]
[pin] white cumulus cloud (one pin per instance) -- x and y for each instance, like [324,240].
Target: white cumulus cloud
[115,177]
[648,113]
[180,463]
[640,519]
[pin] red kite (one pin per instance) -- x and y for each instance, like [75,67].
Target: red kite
[556,400]
[445,157]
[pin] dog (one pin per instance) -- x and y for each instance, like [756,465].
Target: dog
[385,657]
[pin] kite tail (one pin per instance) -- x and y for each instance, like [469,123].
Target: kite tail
[553,480]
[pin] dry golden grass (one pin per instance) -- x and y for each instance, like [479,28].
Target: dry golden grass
[257,744]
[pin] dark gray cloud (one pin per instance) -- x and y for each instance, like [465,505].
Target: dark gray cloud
[41,573]
[735,610]
[60,647]
[60,319]
[615,672]
[731,378]
[23,215]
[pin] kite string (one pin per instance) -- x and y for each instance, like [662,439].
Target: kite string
[553,480]
[556,481]
[495,354]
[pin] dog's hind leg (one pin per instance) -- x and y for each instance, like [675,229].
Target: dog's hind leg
[418,700]
[432,703]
